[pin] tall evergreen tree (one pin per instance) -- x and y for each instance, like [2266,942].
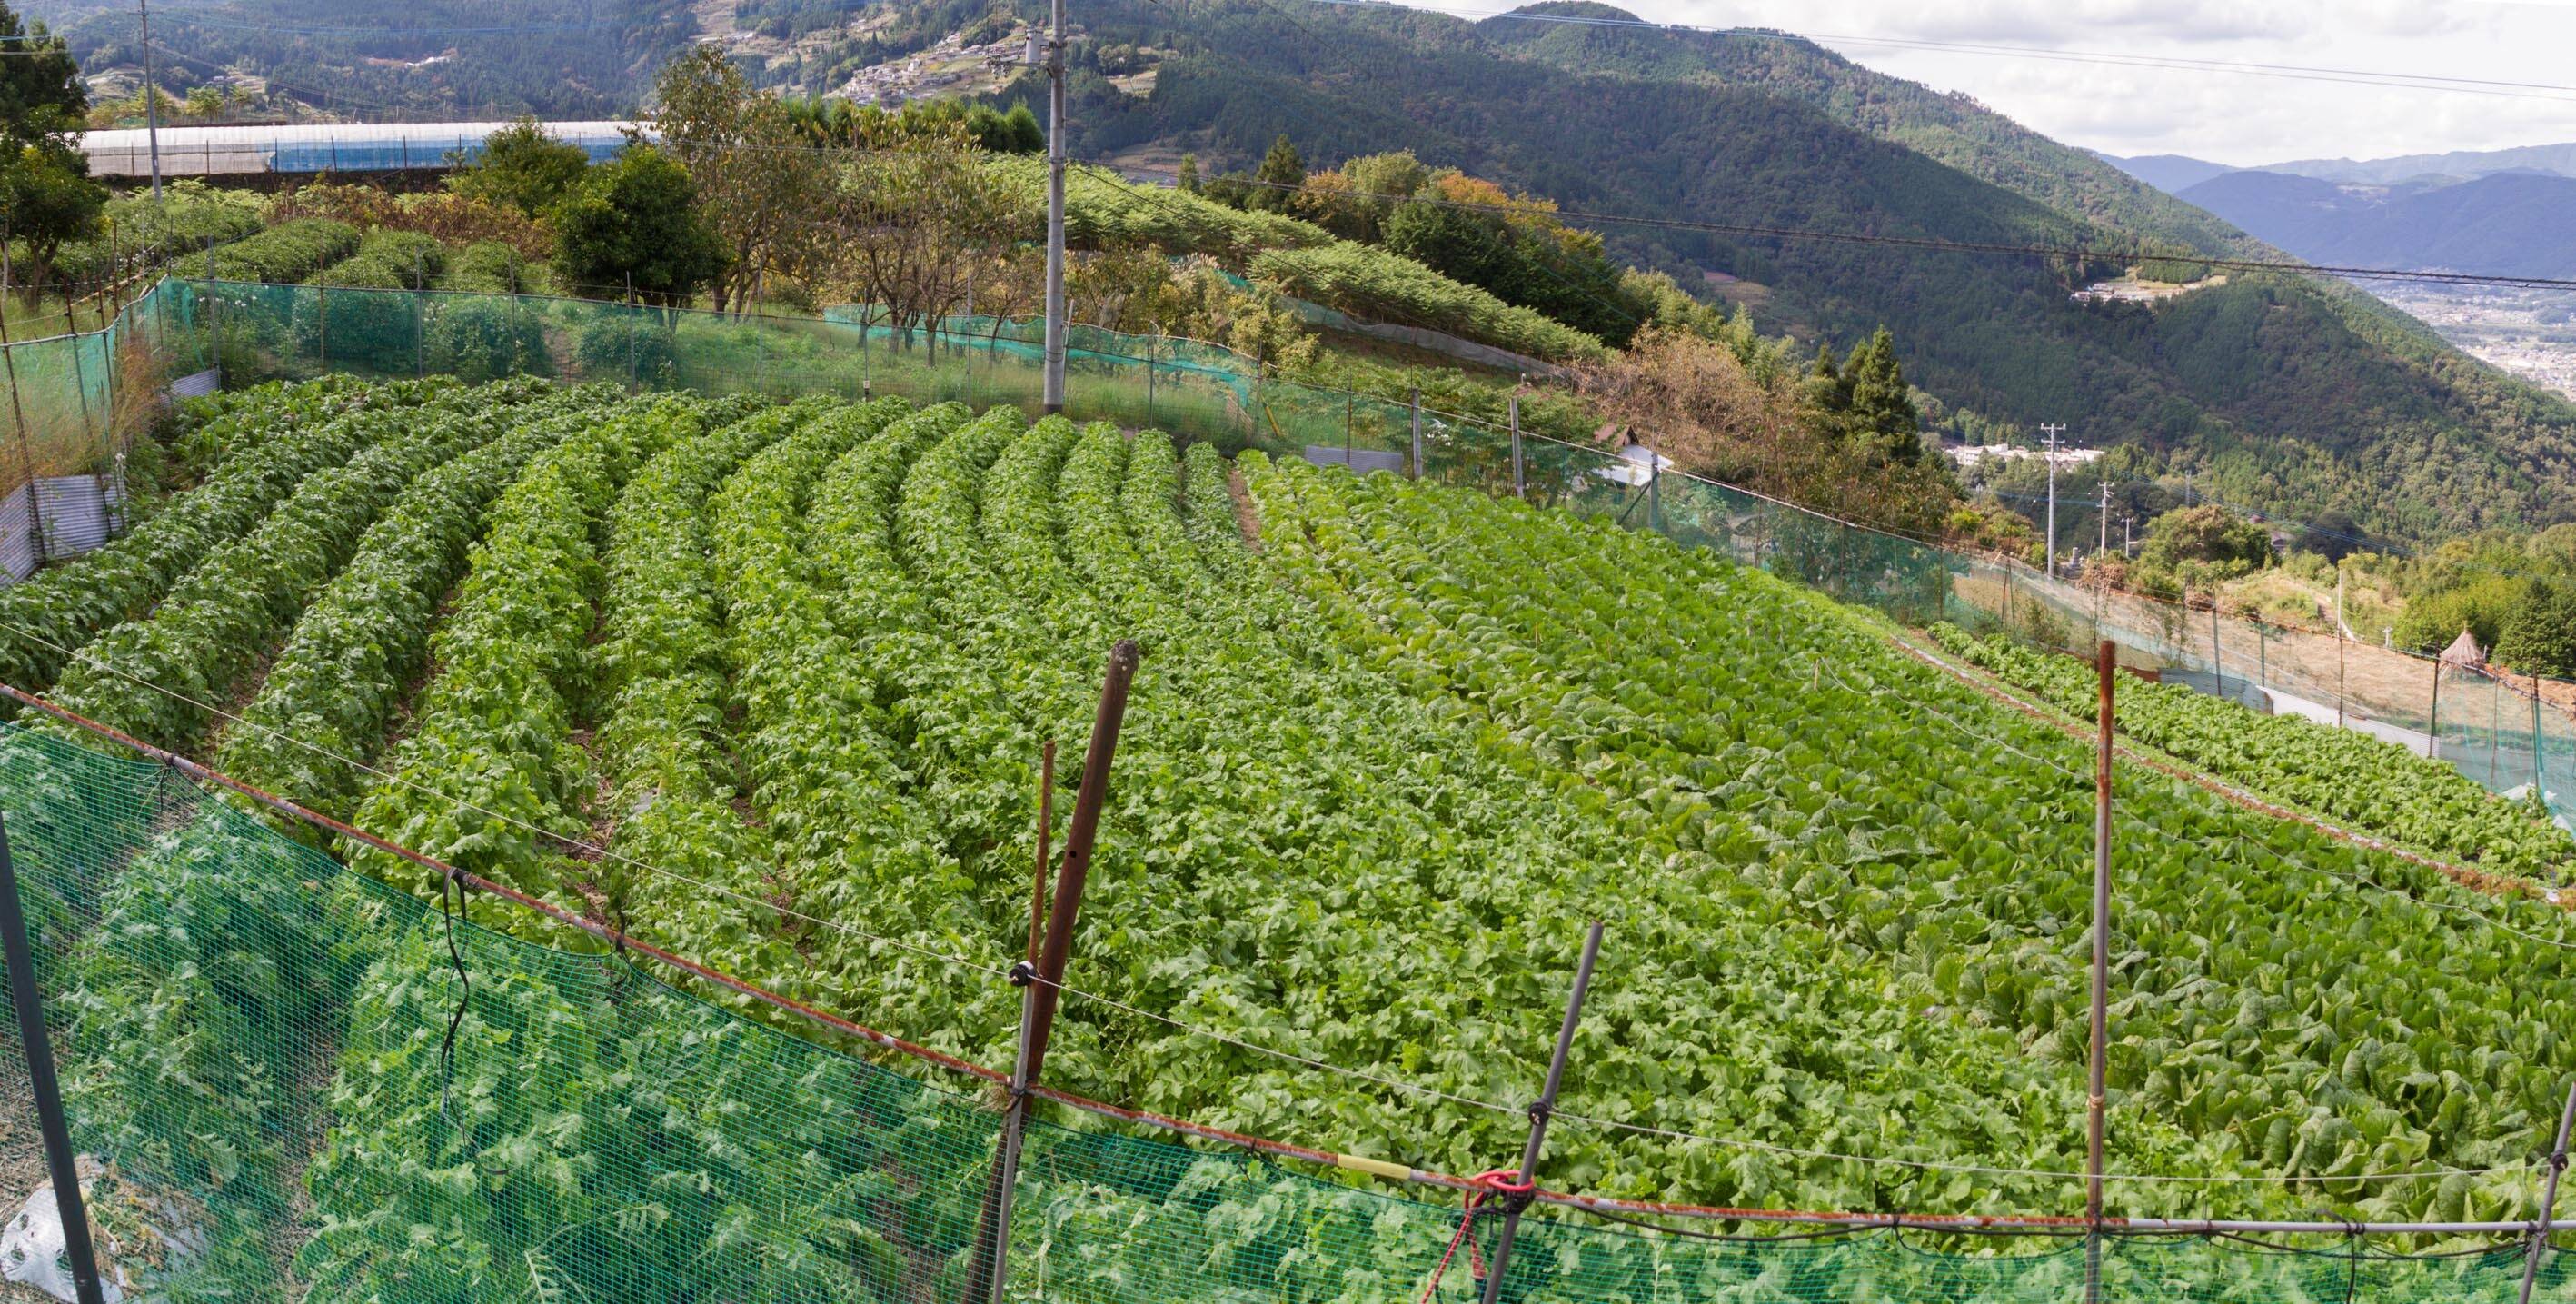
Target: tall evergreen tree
[1281,174]
[1883,417]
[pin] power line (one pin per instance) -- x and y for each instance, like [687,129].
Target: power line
[90,658]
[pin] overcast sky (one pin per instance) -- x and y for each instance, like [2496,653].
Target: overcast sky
[2226,117]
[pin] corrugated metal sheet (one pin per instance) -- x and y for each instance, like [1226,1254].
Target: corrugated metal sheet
[74,511]
[78,513]
[1359,460]
[17,534]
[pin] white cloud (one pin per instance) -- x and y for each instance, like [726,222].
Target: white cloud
[2230,116]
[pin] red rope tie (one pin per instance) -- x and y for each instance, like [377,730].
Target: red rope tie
[1489,1183]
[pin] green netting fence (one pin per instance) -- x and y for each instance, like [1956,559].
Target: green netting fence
[2498,734]
[256,1045]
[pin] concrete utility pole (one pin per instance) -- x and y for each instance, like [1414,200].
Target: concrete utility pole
[2127,548]
[1054,397]
[2103,548]
[151,96]
[2049,434]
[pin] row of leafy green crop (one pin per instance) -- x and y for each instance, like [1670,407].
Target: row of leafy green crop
[490,767]
[284,254]
[268,442]
[163,677]
[1301,259]
[333,689]
[1901,820]
[2373,785]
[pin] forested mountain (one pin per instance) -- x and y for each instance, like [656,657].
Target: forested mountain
[2279,390]
[379,60]
[1693,152]
[2504,223]
[2170,173]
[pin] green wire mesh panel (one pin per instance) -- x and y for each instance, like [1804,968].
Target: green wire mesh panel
[1204,392]
[303,1084]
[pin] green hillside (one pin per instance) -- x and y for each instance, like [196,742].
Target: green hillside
[2277,391]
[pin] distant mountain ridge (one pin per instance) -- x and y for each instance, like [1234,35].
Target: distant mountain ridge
[2503,223]
[2557,160]
[2176,173]
[2170,173]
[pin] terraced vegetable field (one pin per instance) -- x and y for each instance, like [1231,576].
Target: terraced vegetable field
[2344,775]
[789,670]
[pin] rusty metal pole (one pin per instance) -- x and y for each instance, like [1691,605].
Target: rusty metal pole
[1417,434]
[1088,800]
[1539,1112]
[1520,474]
[26,450]
[1046,827]
[2549,1197]
[2339,670]
[1042,983]
[2105,659]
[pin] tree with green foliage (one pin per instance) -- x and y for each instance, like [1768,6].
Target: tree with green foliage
[1187,179]
[637,217]
[47,196]
[523,167]
[2198,547]
[1883,421]
[1826,389]
[1276,182]
[759,189]
[2540,637]
[2483,604]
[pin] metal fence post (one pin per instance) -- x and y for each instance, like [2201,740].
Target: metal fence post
[2433,727]
[1539,1113]
[59,1162]
[80,377]
[419,315]
[2338,670]
[2539,748]
[1417,434]
[214,311]
[2549,1197]
[1043,983]
[1654,493]
[322,311]
[2217,653]
[2105,659]
[1520,480]
[630,332]
[26,449]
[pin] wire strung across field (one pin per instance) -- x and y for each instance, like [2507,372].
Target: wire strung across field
[577,844]
[87,657]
